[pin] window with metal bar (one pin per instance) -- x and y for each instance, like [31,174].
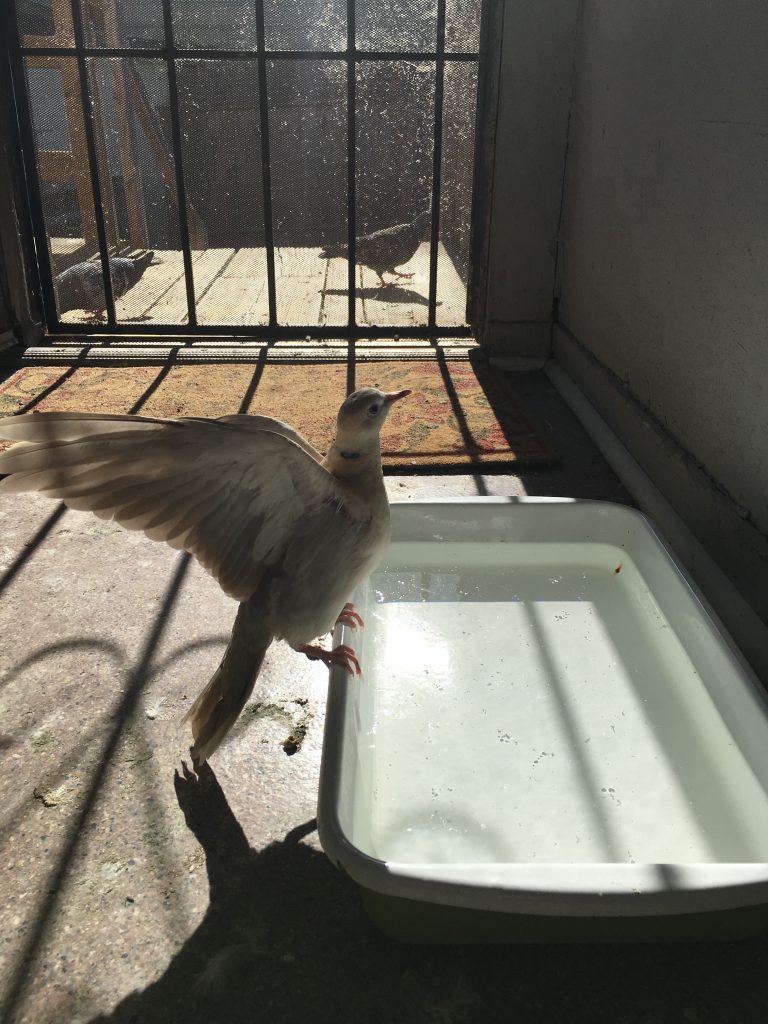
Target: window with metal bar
[251,167]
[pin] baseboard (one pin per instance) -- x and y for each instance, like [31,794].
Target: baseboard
[725,553]
[517,340]
[518,364]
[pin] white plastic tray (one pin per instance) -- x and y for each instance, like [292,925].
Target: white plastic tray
[550,722]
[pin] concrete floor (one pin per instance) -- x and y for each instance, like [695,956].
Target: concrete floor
[134,891]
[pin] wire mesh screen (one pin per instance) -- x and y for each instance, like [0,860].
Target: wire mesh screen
[205,164]
[411,25]
[130,104]
[66,198]
[308,119]
[309,25]
[215,24]
[462,26]
[45,22]
[218,103]
[456,193]
[134,23]
[395,126]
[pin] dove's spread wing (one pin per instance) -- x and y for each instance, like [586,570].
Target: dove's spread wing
[255,422]
[229,492]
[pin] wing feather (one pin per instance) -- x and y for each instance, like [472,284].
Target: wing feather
[230,491]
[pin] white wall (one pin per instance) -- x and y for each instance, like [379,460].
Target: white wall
[664,272]
[534,91]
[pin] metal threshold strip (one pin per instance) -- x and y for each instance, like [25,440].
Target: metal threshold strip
[104,351]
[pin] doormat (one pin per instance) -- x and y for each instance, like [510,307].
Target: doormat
[461,414]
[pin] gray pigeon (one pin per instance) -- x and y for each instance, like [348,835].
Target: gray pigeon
[387,248]
[82,286]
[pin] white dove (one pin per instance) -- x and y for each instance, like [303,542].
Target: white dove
[286,532]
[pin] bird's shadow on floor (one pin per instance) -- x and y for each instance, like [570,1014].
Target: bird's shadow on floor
[391,293]
[285,938]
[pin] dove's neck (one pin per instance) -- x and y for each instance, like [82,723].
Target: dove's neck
[356,460]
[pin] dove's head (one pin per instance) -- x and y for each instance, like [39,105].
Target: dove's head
[360,419]
[365,410]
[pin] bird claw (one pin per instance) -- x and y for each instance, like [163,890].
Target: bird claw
[349,617]
[345,656]
[341,655]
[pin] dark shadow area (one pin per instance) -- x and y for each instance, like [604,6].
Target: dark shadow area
[580,471]
[82,359]
[30,547]
[285,938]
[80,644]
[142,400]
[250,391]
[351,367]
[70,372]
[461,419]
[390,293]
[136,681]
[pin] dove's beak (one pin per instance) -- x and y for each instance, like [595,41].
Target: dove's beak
[395,396]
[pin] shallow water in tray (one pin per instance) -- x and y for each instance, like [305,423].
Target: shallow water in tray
[522,703]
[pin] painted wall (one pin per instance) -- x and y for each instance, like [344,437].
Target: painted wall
[664,258]
[534,91]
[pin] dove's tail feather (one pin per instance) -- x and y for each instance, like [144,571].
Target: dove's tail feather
[216,709]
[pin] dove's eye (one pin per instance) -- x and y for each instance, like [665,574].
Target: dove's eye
[373,409]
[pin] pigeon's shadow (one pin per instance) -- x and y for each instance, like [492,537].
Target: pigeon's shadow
[391,293]
[283,931]
[284,937]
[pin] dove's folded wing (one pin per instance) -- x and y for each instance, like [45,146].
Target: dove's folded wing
[229,492]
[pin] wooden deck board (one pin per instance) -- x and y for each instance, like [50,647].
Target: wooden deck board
[299,280]
[247,263]
[168,298]
[235,300]
[231,289]
[451,293]
[333,312]
[156,281]
[65,246]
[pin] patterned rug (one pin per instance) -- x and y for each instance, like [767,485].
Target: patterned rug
[462,414]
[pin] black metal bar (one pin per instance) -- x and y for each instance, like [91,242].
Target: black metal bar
[297,333]
[90,142]
[351,163]
[22,116]
[181,194]
[437,161]
[176,53]
[266,164]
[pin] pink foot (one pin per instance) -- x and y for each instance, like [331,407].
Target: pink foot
[349,617]
[398,274]
[341,655]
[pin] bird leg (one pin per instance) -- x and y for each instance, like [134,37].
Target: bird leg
[349,617]
[342,655]
[398,274]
